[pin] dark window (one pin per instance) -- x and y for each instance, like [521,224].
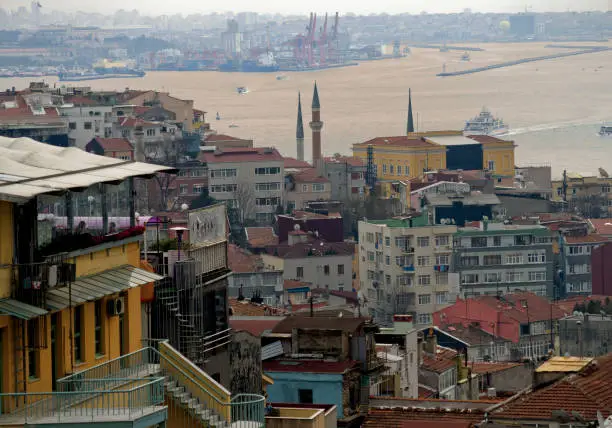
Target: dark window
[98,327]
[340,269]
[32,346]
[78,321]
[524,329]
[305,396]
[72,125]
[479,242]
[87,125]
[326,269]
[299,272]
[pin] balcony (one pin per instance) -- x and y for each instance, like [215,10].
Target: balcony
[409,268]
[443,249]
[407,250]
[441,268]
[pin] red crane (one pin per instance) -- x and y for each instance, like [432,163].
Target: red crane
[323,43]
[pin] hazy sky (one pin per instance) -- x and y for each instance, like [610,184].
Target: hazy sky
[157,7]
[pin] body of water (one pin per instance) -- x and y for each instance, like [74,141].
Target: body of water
[554,108]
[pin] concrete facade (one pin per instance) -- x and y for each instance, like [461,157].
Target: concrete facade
[405,270]
[347,178]
[495,258]
[245,363]
[585,335]
[268,283]
[87,122]
[575,252]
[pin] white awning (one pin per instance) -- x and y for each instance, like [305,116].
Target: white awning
[29,168]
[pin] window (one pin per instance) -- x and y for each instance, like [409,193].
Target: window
[72,126]
[223,188]
[388,260]
[299,272]
[387,241]
[391,169]
[340,269]
[402,242]
[442,260]
[326,270]
[33,333]
[305,396]
[423,241]
[536,257]
[442,278]
[183,189]
[406,170]
[522,240]
[442,240]
[424,280]
[370,237]
[441,298]
[404,280]
[182,173]
[576,249]
[403,261]
[318,187]
[77,334]
[424,299]
[125,133]
[125,157]
[497,241]
[491,165]
[537,276]
[371,256]
[469,261]
[492,260]
[198,188]
[264,187]
[514,259]
[492,277]
[399,170]
[514,276]
[424,319]
[196,173]
[267,201]
[222,173]
[87,125]
[469,278]
[388,279]
[304,187]
[479,242]
[267,171]
[423,260]
[605,189]
[384,168]
[151,132]
[98,327]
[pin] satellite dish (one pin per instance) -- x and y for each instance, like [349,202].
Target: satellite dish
[296,227]
[603,173]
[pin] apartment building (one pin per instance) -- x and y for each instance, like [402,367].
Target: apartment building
[305,186]
[576,262]
[87,119]
[496,258]
[589,195]
[347,177]
[404,268]
[250,180]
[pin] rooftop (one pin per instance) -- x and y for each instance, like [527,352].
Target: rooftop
[474,198]
[452,140]
[512,306]
[218,138]
[349,325]
[256,327]
[470,334]
[498,228]
[588,239]
[115,144]
[309,366]
[236,155]
[417,417]
[602,226]
[441,362]
[292,163]
[567,305]
[349,160]
[248,308]
[400,141]
[586,392]
[308,175]
[402,222]
[289,284]
[314,248]
[487,139]
[258,237]
[563,365]
[242,261]
[51,169]
[132,122]
[484,368]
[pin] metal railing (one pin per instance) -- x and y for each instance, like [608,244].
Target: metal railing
[134,399]
[161,359]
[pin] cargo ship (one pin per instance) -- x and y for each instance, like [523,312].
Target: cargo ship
[101,70]
[264,64]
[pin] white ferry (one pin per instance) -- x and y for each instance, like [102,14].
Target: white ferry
[485,124]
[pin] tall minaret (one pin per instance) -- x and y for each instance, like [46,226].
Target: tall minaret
[410,123]
[299,131]
[316,125]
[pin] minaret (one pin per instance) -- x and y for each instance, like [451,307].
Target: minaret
[299,131]
[316,125]
[410,124]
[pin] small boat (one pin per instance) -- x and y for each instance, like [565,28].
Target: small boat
[465,57]
[605,130]
[218,117]
[242,90]
[233,125]
[281,77]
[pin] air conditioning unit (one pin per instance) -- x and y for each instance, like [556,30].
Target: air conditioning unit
[116,306]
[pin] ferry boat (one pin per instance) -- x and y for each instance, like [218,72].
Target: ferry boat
[605,130]
[485,124]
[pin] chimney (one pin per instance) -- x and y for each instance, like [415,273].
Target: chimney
[431,342]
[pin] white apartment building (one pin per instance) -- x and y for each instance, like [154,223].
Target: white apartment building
[87,122]
[251,180]
[405,269]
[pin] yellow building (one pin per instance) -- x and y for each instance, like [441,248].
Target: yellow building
[585,193]
[407,157]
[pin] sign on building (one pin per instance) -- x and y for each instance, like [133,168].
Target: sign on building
[207,224]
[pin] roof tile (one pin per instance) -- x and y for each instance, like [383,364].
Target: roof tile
[242,154]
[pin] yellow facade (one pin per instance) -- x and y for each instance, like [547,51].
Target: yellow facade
[12,330]
[581,187]
[501,154]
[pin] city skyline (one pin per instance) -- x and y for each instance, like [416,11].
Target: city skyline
[344,6]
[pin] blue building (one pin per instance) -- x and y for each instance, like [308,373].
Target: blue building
[315,382]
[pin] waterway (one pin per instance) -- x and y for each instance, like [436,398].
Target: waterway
[554,107]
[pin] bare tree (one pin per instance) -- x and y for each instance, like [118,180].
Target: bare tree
[244,195]
[165,151]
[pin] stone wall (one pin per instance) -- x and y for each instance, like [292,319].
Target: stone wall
[245,364]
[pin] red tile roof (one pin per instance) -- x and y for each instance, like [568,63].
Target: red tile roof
[603,226]
[403,141]
[349,160]
[288,284]
[258,237]
[585,392]
[309,175]
[294,163]
[350,296]
[246,308]
[241,260]
[235,154]
[483,368]
[405,417]
[215,138]
[309,366]
[255,326]
[567,305]
[350,325]
[441,362]
[425,392]
[484,139]
[588,239]
[315,248]
[115,144]
[79,100]
[132,122]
